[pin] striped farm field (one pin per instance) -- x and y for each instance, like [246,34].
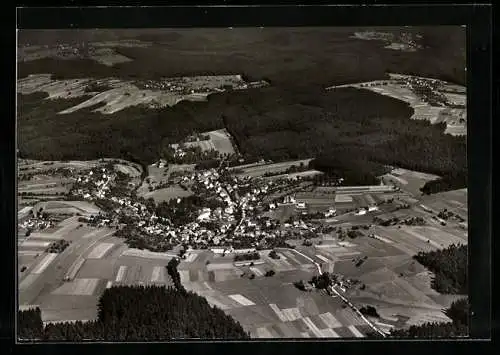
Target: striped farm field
[241,300]
[27,281]
[215,302]
[263,332]
[73,270]
[323,258]
[291,314]
[257,271]
[78,287]
[46,236]
[190,258]
[121,273]
[222,266]
[100,250]
[34,244]
[343,198]
[355,331]
[147,254]
[44,263]
[28,252]
[158,274]
[329,320]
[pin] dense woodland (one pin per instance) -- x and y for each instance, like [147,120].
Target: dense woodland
[449,267]
[271,123]
[458,327]
[294,118]
[138,313]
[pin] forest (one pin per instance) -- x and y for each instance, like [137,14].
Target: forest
[348,138]
[449,267]
[138,313]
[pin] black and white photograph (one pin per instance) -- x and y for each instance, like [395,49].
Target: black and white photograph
[242,183]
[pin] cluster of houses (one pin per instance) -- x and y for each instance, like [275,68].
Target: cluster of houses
[342,282]
[93,184]
[36,224]
[183,87]
[426,89]
[235,222]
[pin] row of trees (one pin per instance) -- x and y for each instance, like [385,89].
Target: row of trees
[247,256]
[58,246]
[175,275]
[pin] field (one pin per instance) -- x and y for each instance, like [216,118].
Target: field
[455,201]
[167,193]
[269,306]
[132,171]
[293,176]
[455,118]
[58,207]
[157,176]
[220,140]
[320,199]
[395,284]
[67,286]
[407,180]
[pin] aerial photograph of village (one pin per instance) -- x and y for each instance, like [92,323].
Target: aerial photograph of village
[241,183]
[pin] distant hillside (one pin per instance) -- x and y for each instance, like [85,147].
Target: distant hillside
[309,56]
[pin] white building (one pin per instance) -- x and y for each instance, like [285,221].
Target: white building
[204,216]
[301,205]
[218,250]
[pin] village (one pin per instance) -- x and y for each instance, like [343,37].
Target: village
[241,223]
